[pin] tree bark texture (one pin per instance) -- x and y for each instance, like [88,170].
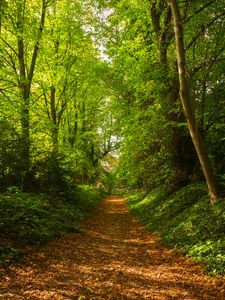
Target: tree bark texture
[187,104]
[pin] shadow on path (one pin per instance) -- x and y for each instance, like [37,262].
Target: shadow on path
[113,258]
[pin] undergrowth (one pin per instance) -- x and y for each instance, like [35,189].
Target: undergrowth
[33,219]
[186,220]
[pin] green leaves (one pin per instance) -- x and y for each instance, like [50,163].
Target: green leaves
[34,219]
[53,90]
[185,219]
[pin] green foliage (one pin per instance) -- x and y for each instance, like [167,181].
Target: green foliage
[186,220]
[9,253]
[211,252]
[156,147]
[87,196]
[33,219]
[13,189]
[64,106]
[54,118]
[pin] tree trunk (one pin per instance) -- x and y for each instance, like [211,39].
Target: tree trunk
[25,116]
[55,127]
[187,105]
[183,162]
[24,83]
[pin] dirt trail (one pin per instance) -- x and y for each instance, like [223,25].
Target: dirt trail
[113,258]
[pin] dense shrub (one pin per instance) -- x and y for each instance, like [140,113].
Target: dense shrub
[33,219]
[186,219]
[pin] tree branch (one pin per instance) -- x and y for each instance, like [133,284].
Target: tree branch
[7,44]
[202,30]
[199,10]
[36,47]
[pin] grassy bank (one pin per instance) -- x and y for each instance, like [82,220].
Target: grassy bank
[33,219]
[186,220]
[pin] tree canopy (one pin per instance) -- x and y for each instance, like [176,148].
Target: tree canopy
[89,87]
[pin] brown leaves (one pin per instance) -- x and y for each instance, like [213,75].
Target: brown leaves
[114,258]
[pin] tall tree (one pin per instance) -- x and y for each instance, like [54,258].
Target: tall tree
[140,43]
[187,102]
[20,56]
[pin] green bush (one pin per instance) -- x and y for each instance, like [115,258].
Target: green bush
[88,197]
[36,218]
[186,219]
[9,253]
[211,253]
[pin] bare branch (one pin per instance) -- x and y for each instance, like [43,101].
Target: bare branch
[199,10]
[202,30]
[5,42]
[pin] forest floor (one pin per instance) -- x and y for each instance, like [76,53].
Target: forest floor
[113,257]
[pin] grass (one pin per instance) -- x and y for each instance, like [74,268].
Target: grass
[186,220]
[33,219]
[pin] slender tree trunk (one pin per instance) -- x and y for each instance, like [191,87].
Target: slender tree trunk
[25,117]
[73,128]
[24,83]
[162,32]
[161,16]
[55,129]
[55,139]
[204,87]
[187,105]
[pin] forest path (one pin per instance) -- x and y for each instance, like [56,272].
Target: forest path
[113,258]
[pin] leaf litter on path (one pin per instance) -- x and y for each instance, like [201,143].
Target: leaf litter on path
[113,257]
